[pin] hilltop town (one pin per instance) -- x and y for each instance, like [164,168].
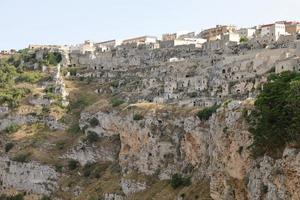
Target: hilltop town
[192,69]
[151,118]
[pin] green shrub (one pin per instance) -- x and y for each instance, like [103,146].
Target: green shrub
[74,128]
[7,75]
[14,197]
[192,94]
[274,122]
[8,146]
[92,137]
[94,122]
[44,197]
[137,117]
[177,181]
[243,39]
[30,77]
[60,145]
[12,96]
[53,58]
[116,102]
[92,170]
[73,71]
[87,169]
[58,167]
[21,157]
[206,113]
[12,128]
[73,164]
[114,84]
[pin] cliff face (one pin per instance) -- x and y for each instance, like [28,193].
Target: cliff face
[164,143]
[125,122]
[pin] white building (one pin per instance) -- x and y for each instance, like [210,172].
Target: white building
[106,46]
[230,37]
[140,40]
[246,32]
[198,42]
[273,31]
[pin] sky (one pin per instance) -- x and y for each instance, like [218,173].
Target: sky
[25,22]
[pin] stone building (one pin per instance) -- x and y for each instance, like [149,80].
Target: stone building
[288,64]
[246,32]
[105,46]
[213,33]
[169,36]
[273,31]
[140,40]
[292,27]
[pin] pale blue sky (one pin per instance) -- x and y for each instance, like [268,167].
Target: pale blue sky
[26,22]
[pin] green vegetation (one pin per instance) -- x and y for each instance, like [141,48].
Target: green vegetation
[206,113]
[74,128]
[44,197]
[243,39]
[30,77]
[192,94]
[91,170]
[92,137]
[274,123]
[9,94]
[73,164]
[21,157]
[60,145]
[94,122]
[12,96]
[52,58]
[177,181]
[8,146]
[12,128]
[115,84]
[116,102]
[14,197]
[137,117]
[7,75]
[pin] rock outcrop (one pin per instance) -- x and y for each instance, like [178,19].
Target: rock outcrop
[31,177]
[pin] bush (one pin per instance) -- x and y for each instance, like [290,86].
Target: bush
[192,94]
[12,128]
[92,170]
[206,113]
[53,58]
[243,39]
[274,122]
[58,167]
[30,77]
[115,84]
[12,96]
[44,197]
[73,71]
[8,146]
[94,122]
[177,181]
[92,137]
[14,197]
[73,164]
[116,102]
[60,145]
[7,75]
[21,157]
[137,117]
[74,128]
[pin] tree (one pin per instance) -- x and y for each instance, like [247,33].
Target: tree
[274,122]
[177,181]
